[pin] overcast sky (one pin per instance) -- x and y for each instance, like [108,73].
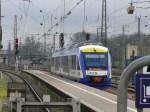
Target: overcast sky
[29,17]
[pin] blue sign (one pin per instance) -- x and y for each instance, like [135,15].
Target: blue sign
[143,91]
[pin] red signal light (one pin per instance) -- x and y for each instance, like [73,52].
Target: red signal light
[16,43]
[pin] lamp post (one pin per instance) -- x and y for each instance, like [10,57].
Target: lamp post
[44,33]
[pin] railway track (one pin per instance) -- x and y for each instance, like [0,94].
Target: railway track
[114,86]
[115,81]
[17,78]
[130,88]
[131,91]
[112,89]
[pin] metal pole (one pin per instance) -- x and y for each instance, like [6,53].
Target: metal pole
[44,34]
[0,13]
[64,16]
[45,43]
[102,22]
[15,37]
[105,42]
[9,53]
[125,51]
[15,29]
[124,82]
[97,33]
[123,42]
[84,17]
[0,23]
[51,20]
[139,36]
[124,57]
[54,43]
[76,106]
[19,105]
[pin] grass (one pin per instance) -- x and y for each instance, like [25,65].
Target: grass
[3,90]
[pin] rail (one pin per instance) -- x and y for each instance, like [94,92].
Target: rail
[115,83]
[28,84]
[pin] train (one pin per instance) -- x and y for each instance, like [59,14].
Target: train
[88,64]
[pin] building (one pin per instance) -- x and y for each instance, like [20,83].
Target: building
[132,50]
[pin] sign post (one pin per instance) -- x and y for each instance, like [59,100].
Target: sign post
[143,91]
[124,82]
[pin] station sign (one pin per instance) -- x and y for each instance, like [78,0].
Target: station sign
[143,90]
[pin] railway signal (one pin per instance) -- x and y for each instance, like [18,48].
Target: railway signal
[61,40]
[87,36]
[1,46]
[16,46]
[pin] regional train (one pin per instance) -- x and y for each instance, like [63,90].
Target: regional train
[87,64]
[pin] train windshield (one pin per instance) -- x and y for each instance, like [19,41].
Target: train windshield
[98,60]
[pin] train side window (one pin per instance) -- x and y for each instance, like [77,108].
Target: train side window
[52,61]
[78,67]
[148,68]
[60,62]
[69,62]
[63,62]
[65,66]
[73,62]
[57,63]
[66,60]
[77,63]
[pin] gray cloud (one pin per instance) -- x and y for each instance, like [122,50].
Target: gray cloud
[29,19]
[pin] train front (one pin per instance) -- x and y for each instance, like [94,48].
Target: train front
[95,63]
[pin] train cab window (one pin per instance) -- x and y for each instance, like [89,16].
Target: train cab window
[96,60]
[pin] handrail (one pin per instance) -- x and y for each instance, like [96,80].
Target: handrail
[124,81]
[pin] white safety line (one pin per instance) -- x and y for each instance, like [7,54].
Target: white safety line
[131,109]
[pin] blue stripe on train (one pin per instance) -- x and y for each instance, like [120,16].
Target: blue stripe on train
[82,64]
[105,84]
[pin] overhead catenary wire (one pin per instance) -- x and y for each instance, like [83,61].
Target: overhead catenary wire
[66,15]
[25,17]
[22,11]
[111,13]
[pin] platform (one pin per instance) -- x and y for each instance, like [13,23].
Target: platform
[97,100]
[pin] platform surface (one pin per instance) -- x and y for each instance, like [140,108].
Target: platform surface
[97,100]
